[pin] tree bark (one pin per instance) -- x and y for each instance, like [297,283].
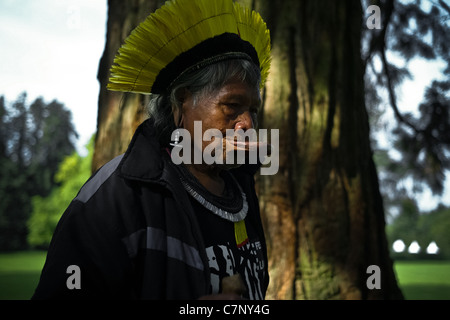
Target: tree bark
[323,212]
[119,114]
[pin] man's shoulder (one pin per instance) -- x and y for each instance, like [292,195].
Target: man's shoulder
[98,179]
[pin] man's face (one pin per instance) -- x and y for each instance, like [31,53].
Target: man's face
[234,106]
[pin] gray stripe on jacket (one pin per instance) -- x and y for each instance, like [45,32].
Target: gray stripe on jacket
[91,187]
[156,239]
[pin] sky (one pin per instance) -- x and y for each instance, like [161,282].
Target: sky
[52,48]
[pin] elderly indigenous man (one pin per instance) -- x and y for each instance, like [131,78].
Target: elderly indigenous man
[143,227]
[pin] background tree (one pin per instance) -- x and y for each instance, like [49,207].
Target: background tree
[434,227]
[72,173]
[118,114]
[323,211]
[327,227]
[405,226]
[33,141]
[413,29]
[409,225]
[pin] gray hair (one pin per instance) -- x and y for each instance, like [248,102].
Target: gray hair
[200,83]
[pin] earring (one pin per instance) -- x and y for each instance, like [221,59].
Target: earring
[176,140]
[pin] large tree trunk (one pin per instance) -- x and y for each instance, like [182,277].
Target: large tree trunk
[323,212]
[118,114]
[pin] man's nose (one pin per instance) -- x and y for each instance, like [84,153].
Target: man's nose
[244,121]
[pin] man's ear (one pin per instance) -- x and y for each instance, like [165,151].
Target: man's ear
[177,116]
[178,111]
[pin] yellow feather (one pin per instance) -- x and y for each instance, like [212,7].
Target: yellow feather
[254,30]
[177,27]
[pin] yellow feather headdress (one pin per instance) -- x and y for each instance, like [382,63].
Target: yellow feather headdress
[185,35]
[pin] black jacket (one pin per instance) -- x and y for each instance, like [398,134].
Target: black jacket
[133,233]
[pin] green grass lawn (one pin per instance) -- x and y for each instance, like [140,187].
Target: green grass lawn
[19,274]
[424,280]
[20,271]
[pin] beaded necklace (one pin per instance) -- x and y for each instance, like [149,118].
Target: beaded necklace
[233,208]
